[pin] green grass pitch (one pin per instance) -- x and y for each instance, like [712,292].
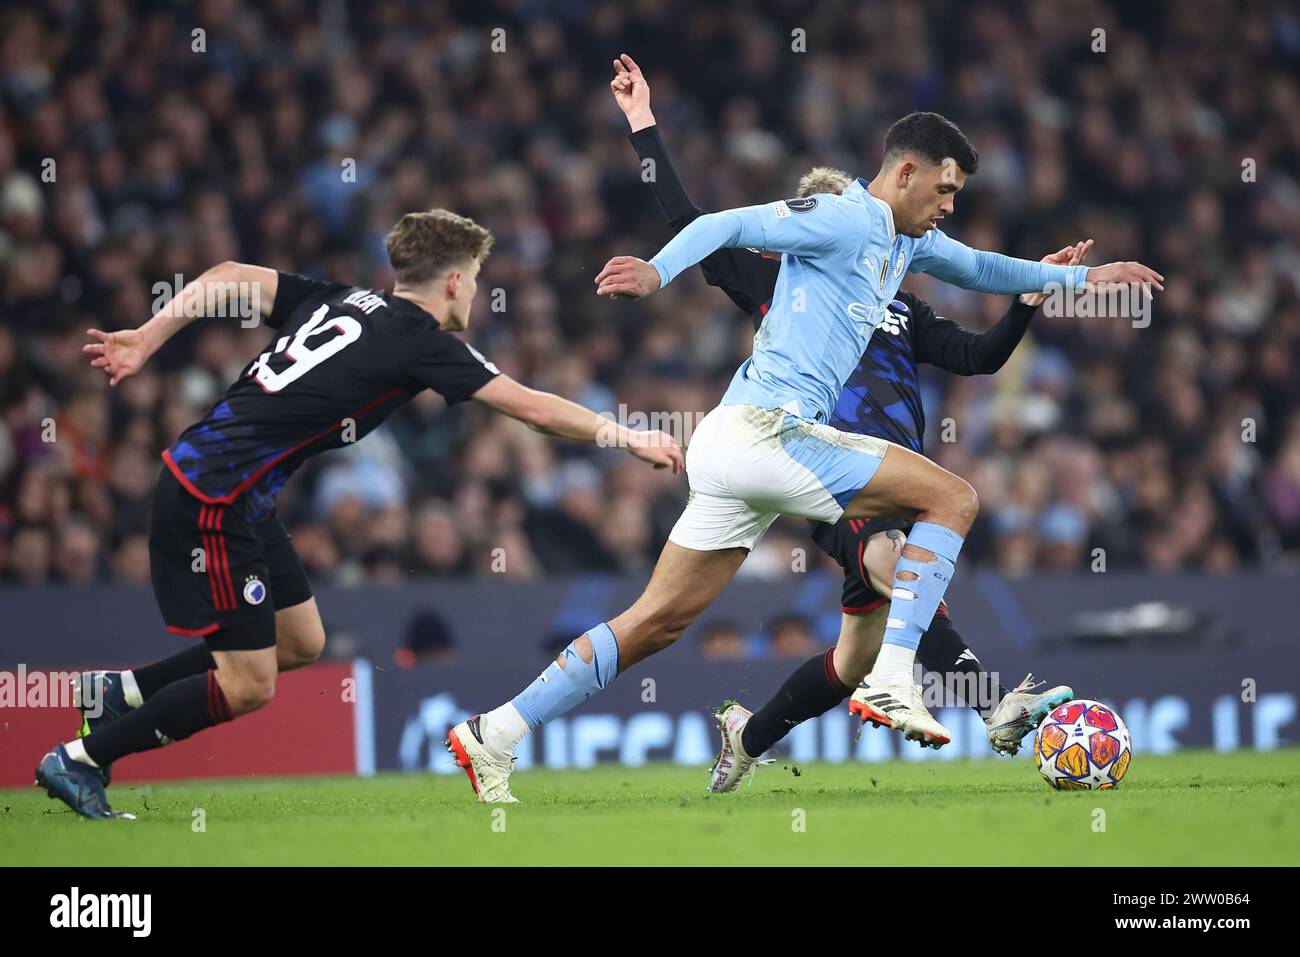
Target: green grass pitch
[1193,808]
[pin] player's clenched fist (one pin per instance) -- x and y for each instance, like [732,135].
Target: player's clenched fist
[627,277]
[657,448]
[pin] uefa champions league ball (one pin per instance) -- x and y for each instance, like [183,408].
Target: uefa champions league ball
[1083,746]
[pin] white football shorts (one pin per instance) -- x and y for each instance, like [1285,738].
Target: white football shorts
[748,465]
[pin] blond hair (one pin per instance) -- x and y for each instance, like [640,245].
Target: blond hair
[424,245]
[824,179]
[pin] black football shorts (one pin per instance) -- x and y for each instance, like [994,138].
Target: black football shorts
[216,576]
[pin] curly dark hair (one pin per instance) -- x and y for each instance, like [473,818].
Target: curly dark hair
[930,137]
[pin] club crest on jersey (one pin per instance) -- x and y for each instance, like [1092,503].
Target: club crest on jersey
[899,266]
[254,590]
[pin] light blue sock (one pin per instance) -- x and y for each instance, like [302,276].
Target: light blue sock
[914,603]
[557,690]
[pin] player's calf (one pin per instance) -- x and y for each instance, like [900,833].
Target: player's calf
[647,631]
[945,506]
[684,582]
[177,711]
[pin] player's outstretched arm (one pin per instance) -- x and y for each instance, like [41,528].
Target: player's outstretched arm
[122,354]
[943,343]
[944,258]
[553,415]
[815,231]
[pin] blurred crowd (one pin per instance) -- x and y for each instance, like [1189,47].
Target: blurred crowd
[144,142]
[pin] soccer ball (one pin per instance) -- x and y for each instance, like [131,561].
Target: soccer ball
[1083,746]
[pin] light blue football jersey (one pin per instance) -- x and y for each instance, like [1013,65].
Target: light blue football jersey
[841,266]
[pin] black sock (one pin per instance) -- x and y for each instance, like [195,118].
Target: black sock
[192,661]
[811,690]
[944,652]
[174,713]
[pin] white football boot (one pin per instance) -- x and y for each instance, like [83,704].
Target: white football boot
[1021,712]
[733,764]
[488,773]
[898,706]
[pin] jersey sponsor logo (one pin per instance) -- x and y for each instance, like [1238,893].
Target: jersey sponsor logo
[865,312]
[254,590]
[302,356]
[895,319]
[801,205]
[781,208]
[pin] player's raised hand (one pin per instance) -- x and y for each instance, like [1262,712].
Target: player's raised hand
[627,277]
[631,93]
[119,354]
[657,448]
[1065,256]
[1122,274]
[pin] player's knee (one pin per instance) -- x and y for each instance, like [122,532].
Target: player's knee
[972,500]
[299,637]
[961,500]
[308,646]
[253,696]
[248,693]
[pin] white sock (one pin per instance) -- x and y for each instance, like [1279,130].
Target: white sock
[77,751]
[503,728]
[894,663]
[131,689]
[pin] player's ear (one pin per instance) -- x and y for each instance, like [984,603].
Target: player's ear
[905,170]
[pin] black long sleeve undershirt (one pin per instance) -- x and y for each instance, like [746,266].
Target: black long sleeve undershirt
[943,343]
[749,280]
